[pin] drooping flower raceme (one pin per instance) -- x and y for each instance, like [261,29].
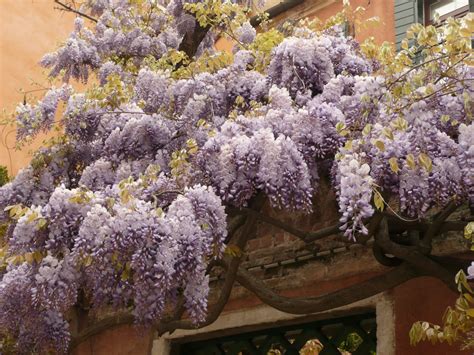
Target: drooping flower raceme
[355,194]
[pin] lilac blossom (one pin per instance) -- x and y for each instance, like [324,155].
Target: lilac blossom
[32,119]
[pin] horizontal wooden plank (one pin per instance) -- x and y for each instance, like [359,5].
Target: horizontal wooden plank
[403,28]
[404,13]
[399,23]
[403,7]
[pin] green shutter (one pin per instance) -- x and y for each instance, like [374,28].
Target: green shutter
[407,12]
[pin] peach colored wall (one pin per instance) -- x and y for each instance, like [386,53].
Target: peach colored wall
[28,29]
[422,299]
[126,340]
[384,9]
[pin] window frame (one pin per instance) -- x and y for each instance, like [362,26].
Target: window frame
[427,21]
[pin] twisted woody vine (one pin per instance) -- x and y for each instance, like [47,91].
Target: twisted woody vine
[162,167]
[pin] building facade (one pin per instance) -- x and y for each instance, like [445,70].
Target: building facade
[290,266]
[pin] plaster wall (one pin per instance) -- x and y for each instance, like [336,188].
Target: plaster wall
[28,30]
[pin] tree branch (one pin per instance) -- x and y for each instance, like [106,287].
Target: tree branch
[233,226]
[307,237]
[451,263]
[425,244]
[192,40]
[68,8]
[328,301]
[398,226]
[382,258]
[411,255]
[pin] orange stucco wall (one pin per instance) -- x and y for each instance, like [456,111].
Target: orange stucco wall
[385,31]
[323,9]
[422,299]
[126,340]
[28,30]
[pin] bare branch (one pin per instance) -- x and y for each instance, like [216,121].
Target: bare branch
[192,40]
[327,301]
[68,8]
[413,256]
[382,258]
[398,226]
[233,226]
[425,244]
[307,237]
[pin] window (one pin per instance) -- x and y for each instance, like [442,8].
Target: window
[408,12]
[444,9]
[349,335]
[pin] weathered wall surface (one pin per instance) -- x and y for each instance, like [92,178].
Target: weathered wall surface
[422,299]
[28,30]
[323,9]
[295,269]
[126,340]
[419,299]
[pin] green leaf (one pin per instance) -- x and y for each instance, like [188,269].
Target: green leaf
[38,256]
[88,260]
[16,211]
[233,250]
[387,132]
[367,129]
[348,145]
[29,258]
[31,217]
[400,124]
[9,208]
[126,272]
[425,162]
[42,222]
[380,145]
[394,165]
[125,275]
[469,230]
[445,118]
[378,201]
[340,126]
[410,159]
[159,212]
[470,312]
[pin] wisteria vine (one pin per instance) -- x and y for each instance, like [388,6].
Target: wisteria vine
[127,209]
